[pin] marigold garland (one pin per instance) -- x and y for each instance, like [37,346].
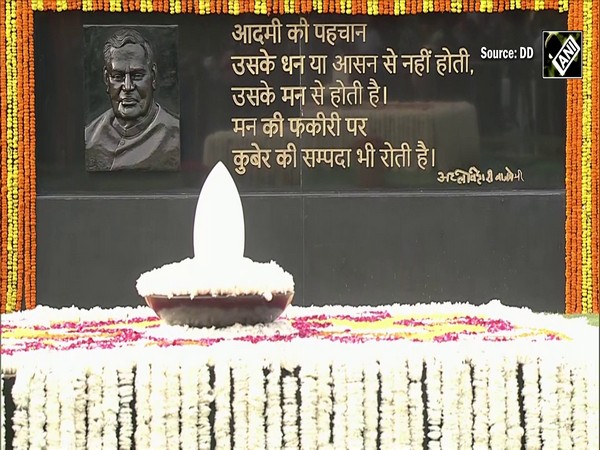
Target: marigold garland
[20,152]
[12,157]
[586,166]
[17,157]
[570,182]
[573,207]
[581,175]
[17,117]
[595,172]
[30,168]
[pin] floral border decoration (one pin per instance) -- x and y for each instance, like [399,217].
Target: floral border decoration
[17,121]
[276,386]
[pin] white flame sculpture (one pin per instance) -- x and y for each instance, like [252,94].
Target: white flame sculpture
[218,267]
[219,232]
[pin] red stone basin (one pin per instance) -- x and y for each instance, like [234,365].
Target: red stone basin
[219,311]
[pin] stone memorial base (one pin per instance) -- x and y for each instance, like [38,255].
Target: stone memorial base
[336,377]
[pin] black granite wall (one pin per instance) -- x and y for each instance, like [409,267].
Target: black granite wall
[348,249]
[349,236]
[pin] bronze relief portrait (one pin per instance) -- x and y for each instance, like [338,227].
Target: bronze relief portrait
[132,120]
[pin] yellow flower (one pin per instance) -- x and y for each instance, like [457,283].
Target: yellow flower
[586,164]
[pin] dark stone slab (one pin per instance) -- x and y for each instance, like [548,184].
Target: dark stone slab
[91,250]
[352,236]
[425,248]
[346,249]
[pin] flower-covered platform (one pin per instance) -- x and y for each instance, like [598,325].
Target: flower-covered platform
[424,376]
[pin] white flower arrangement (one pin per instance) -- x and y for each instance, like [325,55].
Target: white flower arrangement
[95,411]
[593,409]
[222,403]
[291,440]
[338,385]
[192,382]
[549,402]
[142,404]
[531,404]
[205,398]
[386,407]
[514,432]
[79,392]
[157,402]
[434,402]
[240,404]
[400,403]
[309,406]
[325,402]
[37,409]
[451,378]
[579,409]
[481,436]
[565,419]
[110,406]
[274,417]
[21,394]
[66,399]
[198,276]
[256,405]
[340,406]
[355,398]
[2,416]
[173,403]
[52,407]
[125,413]
[497,402]
[371,414]
[415,401]
[465,407]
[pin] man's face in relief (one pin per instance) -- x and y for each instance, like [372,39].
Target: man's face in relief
[130,81]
